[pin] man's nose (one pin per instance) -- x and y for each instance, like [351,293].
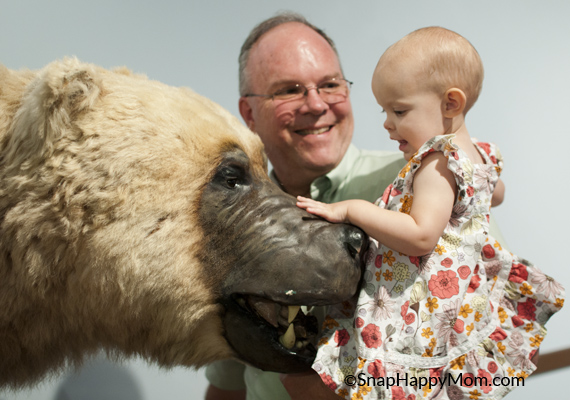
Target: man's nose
[314,103]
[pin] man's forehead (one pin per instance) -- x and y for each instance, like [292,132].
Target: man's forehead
[292,52]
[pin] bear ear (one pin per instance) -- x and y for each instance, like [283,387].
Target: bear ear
[50,105]
[66,87]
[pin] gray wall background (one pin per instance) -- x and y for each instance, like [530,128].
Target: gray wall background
[523,108]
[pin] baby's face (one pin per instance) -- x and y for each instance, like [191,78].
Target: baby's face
[414,113]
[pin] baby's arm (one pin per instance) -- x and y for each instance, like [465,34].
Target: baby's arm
[414,234]
[498,193]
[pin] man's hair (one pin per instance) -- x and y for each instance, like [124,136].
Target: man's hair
[264,27]
[446,59]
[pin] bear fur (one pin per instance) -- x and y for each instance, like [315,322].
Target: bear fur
[113,236]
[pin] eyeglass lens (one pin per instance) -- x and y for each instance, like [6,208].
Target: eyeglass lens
[332,91]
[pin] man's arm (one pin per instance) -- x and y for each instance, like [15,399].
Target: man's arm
[307,385]
[226,380]
[214,393]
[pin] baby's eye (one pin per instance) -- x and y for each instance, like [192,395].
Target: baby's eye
[399,112]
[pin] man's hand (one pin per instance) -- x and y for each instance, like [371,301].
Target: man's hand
[307,386]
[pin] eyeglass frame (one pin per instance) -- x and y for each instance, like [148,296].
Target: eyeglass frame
[306,93]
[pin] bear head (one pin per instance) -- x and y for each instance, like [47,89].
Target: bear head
[138,218]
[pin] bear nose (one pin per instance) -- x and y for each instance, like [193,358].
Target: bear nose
[355,241]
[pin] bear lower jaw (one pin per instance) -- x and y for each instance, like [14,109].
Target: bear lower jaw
[252,322]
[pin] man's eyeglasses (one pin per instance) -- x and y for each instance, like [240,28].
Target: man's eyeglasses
[331,91]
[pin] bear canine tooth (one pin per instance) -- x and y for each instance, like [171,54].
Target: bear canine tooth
[293,311]
[288,338]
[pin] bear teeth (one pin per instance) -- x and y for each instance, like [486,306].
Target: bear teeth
[288,338]
[293,311]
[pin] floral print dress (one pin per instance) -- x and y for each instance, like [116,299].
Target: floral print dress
[462,322]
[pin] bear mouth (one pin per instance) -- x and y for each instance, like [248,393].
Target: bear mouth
[269,335]
[296,331]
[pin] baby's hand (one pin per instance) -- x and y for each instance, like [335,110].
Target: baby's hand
[336,212]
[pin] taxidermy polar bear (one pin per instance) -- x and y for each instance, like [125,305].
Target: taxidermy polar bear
[138,218]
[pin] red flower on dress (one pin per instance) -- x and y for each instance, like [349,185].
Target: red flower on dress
[464,271]
[358,322]
[498,335]
[341,337]
[532,353]
[395,192]
[448,262]
[378,261]
[517,321]
[468,377]
[518,273]
[398,393]
[409,318]
[459,325]
[474,284]
[376,369]
[404,309]
[415,260]
[527,309]
[371,336]
[486,380]
[492,367]
[470,191]
[444,285]
[485,146]
[488,252]
[386,194]
[328,380]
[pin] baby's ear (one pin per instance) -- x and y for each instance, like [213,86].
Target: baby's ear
[454,101]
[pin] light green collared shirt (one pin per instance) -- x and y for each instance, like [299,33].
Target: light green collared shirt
[362,174]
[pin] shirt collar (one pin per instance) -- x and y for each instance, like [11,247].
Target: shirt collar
[331,181]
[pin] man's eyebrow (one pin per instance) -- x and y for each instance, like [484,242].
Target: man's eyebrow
[285,82]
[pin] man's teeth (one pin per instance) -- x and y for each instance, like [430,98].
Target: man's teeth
[307,132]
[288,338]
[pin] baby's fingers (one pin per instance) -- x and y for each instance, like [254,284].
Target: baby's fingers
[304,202]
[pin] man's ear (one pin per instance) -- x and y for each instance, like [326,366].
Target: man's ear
[453,102]
[246,113]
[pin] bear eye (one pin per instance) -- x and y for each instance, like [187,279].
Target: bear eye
[233,176]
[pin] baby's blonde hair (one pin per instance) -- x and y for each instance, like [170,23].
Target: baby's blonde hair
[445,60]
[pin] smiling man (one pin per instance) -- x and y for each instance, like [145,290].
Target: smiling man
[295,96]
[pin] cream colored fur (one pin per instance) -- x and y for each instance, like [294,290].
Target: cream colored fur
[100,176]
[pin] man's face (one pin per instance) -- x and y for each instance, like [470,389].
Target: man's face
[311,139]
